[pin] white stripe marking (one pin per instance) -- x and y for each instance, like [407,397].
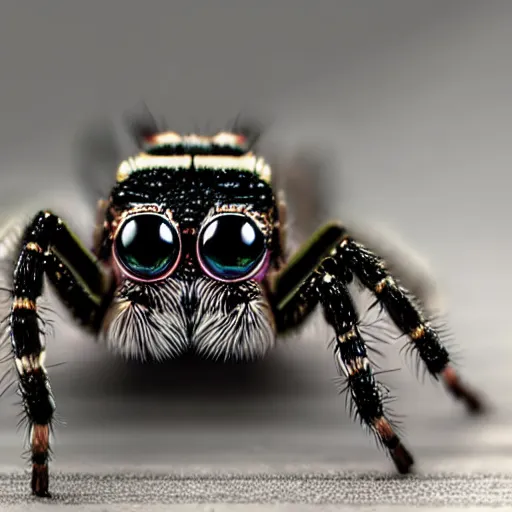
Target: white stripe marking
[248,162]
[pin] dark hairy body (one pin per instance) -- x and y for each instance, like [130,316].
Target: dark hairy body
[190,255]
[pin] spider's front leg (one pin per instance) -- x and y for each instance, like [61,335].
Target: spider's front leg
[352,359]
[49,248]
[312,277]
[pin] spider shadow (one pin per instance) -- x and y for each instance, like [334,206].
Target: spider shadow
[198,388]
[190,377]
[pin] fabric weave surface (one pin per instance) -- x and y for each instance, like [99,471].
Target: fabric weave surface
[314,488]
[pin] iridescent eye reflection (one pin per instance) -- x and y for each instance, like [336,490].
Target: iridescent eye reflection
[231,247]
[147,246]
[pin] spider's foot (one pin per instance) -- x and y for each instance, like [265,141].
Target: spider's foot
[401,457]
[40,481]
[473,402]
[42,494]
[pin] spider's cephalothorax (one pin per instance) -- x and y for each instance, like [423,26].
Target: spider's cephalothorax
[189,255]
[191,232]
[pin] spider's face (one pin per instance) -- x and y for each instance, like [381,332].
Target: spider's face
[191,250]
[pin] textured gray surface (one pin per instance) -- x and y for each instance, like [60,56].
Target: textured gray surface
[313,489]
[414,96]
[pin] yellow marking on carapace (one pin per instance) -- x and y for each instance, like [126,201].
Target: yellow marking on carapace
[23,303]
[123,171]
[33,246]
[246,162]
[144,162]
[263,170]
[418,332]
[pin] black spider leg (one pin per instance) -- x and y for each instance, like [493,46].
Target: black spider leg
[352,358]
[291,301]
[48,248]
[400,306]
[308,280]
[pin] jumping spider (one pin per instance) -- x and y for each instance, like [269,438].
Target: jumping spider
[189,254]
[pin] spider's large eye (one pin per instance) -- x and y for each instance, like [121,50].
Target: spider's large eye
[231,247]
[148,246]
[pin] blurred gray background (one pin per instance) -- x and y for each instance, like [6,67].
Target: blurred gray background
[414,100]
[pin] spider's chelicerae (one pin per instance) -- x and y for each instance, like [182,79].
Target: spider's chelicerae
[189,255]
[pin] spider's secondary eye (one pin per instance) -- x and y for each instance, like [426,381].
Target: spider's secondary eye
[231,246]
[147,246]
